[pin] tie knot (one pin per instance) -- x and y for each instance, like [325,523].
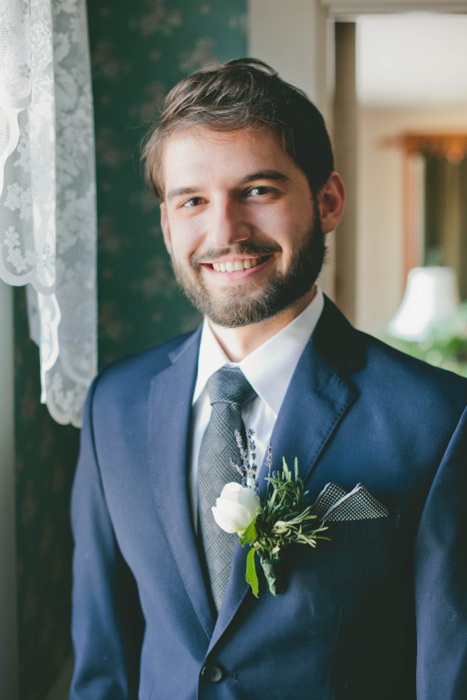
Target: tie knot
[229,384]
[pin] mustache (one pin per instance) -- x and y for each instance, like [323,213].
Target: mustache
[245,248]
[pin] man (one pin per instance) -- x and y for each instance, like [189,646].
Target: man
[243,167]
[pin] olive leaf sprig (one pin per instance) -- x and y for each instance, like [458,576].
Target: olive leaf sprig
[283,517]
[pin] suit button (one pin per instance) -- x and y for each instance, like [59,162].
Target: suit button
[212,673]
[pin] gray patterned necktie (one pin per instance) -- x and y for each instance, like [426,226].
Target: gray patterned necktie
[229,391]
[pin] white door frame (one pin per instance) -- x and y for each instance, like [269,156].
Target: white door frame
[352,8]
[296,37]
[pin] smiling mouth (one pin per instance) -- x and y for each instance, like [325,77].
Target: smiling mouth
[238,264]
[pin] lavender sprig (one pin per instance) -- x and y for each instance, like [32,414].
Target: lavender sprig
[269,464]
[248,468]
[242,450]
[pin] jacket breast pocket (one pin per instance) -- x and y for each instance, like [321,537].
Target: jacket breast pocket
[353,567]
[359,532]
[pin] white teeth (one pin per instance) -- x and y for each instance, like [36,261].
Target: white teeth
[235,265]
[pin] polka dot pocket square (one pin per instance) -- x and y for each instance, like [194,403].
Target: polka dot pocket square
[334,504]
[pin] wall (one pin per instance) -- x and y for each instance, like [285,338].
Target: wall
[380,282]
[140,303]
[45,456]
[139,50]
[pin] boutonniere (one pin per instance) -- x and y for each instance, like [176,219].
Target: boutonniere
[283,517]
[267,525]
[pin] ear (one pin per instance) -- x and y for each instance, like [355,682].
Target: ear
[331,199]
[165,228]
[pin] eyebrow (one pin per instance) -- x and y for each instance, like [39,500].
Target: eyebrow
[265,175]
[181,191]
[274,175]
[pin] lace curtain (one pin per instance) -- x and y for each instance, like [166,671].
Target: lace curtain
[47,190]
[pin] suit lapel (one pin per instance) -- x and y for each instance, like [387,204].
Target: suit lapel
[318,396]
[316,401]
[170,402]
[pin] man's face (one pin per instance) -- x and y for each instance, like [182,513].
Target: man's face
[240,223]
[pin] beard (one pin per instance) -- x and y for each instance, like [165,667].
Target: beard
[254,301]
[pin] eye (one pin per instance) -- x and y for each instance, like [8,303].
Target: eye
[261,193]
[258,190]
[193,202]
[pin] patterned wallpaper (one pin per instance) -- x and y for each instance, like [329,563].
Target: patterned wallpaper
[138,52]
[140,303]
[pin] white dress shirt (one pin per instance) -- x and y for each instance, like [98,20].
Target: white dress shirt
[269,370]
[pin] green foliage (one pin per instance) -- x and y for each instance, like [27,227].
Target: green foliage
[284,517]
[249,534]
[251,575]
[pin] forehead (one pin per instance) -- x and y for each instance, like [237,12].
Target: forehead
[198,154]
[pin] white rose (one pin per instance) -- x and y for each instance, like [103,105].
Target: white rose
[235,508]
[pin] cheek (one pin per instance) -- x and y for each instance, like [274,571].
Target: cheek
[185,238]
[280,223]
[284,230]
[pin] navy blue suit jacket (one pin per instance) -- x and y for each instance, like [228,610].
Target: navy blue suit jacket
[377,613]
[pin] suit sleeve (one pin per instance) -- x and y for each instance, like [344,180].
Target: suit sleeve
[440,577]
[102,586]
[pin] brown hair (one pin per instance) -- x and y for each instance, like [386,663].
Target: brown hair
[244,93]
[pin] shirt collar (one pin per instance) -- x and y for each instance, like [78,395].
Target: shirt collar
[276,358]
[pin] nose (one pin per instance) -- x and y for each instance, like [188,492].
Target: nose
[227,224]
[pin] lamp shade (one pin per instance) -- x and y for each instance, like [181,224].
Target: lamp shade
[431,295]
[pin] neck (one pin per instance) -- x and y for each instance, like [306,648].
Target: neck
[237,343]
